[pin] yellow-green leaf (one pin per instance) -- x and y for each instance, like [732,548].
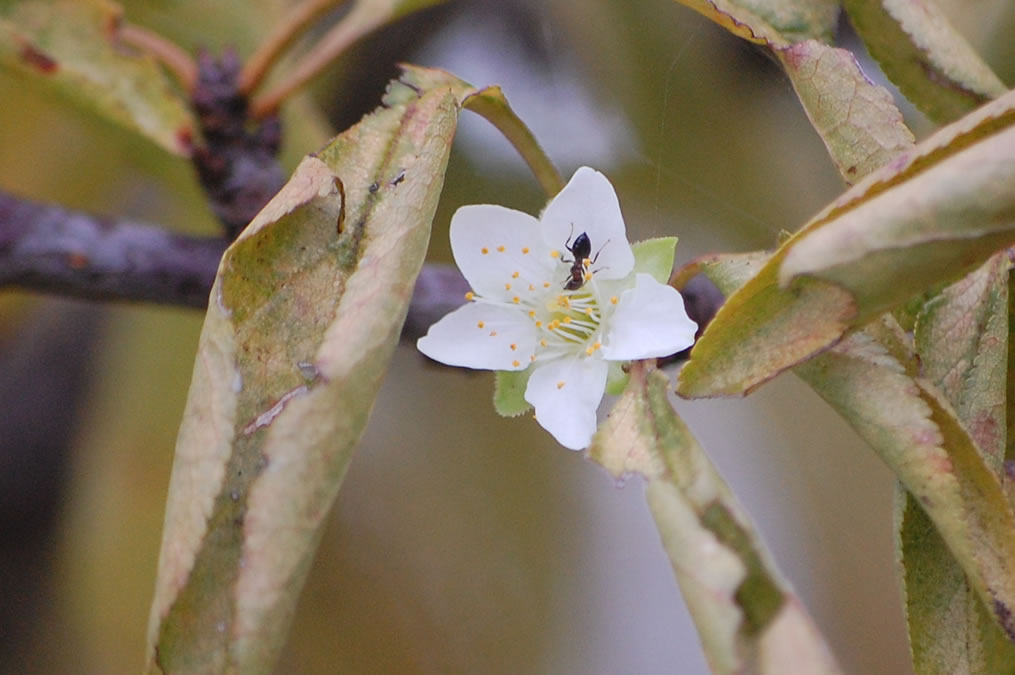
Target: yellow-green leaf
[747,618]
[918,434]
[961,337]
[923,54]
[962,340]
[868,379]
[856,119]
[925,218]
[304,314]
[71,47]
[931,229]
[949,629]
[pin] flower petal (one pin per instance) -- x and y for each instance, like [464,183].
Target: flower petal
[500,251]
[589,204]
[649,321]
[566,393]
[482,336]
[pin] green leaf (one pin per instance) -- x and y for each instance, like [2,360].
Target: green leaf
[949,629]
[961,337]
[509,392]
[868,251]
[933,228]
[774,22]
[923,54]
[868,379]
[918,434]
[1010,397]
[747,618]
[70,47]
[856,119]
[655,257]
[304,315]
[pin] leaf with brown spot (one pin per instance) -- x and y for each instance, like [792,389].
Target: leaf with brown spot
[300,329]
[747,618]
[70,47]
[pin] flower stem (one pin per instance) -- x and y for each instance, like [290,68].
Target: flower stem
[491,104]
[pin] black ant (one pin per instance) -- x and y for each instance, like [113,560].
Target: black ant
[580,249]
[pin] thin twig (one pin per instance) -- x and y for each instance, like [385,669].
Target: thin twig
[266,55]
[172,56]
[361,19]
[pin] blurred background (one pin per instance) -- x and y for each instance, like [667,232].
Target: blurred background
[461,542]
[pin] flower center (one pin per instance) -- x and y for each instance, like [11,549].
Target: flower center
[568,322]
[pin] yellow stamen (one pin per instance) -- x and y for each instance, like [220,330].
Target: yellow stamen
[516,299]
[532,357]
[480,324]
[567,319]
[500,249]
[560,385]
[515,364]
[525,250]
[546,284]
[469,296]
[514,347]
[507,287]
[542,342]
[588,310]
[484,250]
[613,300]
[514,275]
[586,263]
[531,287]
[532,313]
[554,254]
[539,324]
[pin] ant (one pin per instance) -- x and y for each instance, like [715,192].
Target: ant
[580,249]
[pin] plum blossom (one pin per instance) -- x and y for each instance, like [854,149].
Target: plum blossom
[558,295]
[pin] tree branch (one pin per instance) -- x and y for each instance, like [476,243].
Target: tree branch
[56,250]
[71,253]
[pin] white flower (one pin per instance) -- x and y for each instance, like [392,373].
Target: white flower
[532,306]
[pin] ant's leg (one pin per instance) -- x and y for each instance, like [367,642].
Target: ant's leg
[600,251]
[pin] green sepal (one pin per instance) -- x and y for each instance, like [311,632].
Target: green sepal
[509,392]
[617,378]
[655,257]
